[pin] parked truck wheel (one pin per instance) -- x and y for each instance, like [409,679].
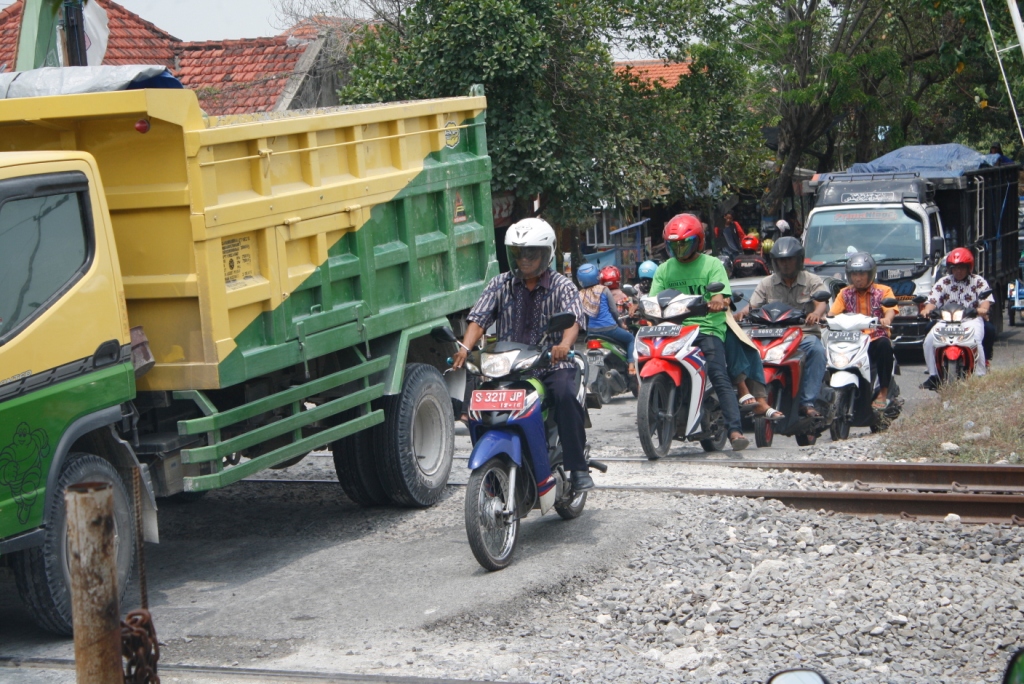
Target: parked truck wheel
[417,439]
[356,465]
[43,573]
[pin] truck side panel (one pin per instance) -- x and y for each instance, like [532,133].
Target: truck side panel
[248,244]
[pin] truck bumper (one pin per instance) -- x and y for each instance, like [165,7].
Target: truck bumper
[909,332]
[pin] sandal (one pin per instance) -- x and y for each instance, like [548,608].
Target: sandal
[772,414]
[809,412]
[880,404]
[747,400]
[740,443]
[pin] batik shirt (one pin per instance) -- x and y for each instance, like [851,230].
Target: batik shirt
[521,315]
[966,292]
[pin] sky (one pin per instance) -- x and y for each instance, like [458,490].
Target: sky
[205,19]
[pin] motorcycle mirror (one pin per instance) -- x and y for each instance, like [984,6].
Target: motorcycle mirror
[920,299]
[970,313]
[1015,670]
[797,677]
[560,321]
[666,296]
[629,289]
[442,334]
[889,302]
[985,294]
[821,296]
[715,288]
[737,296]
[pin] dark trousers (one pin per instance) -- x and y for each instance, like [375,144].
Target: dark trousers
[569,416]
[882,359]
[989,343]
[718,372]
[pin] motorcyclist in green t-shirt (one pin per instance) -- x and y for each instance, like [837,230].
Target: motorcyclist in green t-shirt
[690,271]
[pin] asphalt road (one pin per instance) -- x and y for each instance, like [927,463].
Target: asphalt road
[294,576]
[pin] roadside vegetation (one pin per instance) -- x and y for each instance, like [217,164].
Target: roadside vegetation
[982,416]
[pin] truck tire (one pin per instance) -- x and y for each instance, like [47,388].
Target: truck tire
[356,465]
[417,439]
[43,573]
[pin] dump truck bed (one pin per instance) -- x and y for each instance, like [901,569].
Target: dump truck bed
[252,243]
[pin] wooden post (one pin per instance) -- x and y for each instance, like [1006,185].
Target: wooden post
[95,613]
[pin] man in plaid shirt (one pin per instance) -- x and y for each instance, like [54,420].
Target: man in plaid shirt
[961,287]
[520,303]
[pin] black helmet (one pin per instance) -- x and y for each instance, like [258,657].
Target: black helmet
[784,248]
[861,262]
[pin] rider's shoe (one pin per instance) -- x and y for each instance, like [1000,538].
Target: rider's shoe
[932,383]
[581,481]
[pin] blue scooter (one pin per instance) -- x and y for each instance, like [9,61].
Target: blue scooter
[516,462]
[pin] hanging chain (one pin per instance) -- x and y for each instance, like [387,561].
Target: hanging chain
[140,648]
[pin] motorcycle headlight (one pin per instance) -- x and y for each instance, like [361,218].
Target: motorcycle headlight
[497,365]
[524,364]
[946,316]
[840,360]
[777,353]
[651,307]
[958,316]
[641,348]
[676,309]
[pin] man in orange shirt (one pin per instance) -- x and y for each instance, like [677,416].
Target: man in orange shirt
[864,296]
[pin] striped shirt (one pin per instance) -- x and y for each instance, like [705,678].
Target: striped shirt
[520,314]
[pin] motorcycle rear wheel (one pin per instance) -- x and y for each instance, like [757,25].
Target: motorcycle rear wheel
[655,419]
[491,536]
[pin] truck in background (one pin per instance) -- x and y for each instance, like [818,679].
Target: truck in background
[199,298]
[909,209]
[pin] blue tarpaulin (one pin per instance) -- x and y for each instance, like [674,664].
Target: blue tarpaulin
[930,161]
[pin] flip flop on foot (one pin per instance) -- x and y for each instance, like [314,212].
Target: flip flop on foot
[747,400]
[880,404]
[773,414]
[809,411]
[739,443]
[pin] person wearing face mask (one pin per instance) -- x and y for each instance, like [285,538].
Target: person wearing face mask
[520,303]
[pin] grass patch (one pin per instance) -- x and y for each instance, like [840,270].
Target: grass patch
[994,401]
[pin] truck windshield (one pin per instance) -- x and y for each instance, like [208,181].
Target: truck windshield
[887,234]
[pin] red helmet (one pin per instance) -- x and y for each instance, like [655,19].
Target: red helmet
[610,277]
[751,243]
[960,255]
[684,236]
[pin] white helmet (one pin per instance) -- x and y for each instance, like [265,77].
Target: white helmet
[534,239]
[783,226]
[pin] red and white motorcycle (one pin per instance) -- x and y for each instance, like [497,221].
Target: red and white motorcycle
[676,401]
[956,344]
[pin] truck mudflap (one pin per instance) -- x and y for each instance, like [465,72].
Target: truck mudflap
[215,450]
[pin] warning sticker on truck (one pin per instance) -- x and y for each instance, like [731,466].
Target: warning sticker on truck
[239,260]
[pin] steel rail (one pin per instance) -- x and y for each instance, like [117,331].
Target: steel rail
[226,674]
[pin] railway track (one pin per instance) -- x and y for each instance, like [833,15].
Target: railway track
[978,493]
[214,673]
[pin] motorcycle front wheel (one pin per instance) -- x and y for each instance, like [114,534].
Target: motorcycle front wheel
[840,428]
[492,534]
[655,419]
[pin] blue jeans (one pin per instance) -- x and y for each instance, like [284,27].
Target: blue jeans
[814,369]
[620,335]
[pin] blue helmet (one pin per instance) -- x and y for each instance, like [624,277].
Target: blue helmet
[587,274]
[647,269]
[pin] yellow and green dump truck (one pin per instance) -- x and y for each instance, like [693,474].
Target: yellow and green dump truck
[199,298]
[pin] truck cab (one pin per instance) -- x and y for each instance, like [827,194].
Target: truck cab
[895,220]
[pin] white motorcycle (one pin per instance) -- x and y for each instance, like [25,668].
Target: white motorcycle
[851,376]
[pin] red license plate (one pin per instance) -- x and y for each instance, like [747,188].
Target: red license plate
[497,400]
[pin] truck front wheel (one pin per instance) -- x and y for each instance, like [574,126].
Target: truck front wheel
[43,573]
[417,439]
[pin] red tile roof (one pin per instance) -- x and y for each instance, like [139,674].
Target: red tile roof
[238,76]
[655,70]
[230,76]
